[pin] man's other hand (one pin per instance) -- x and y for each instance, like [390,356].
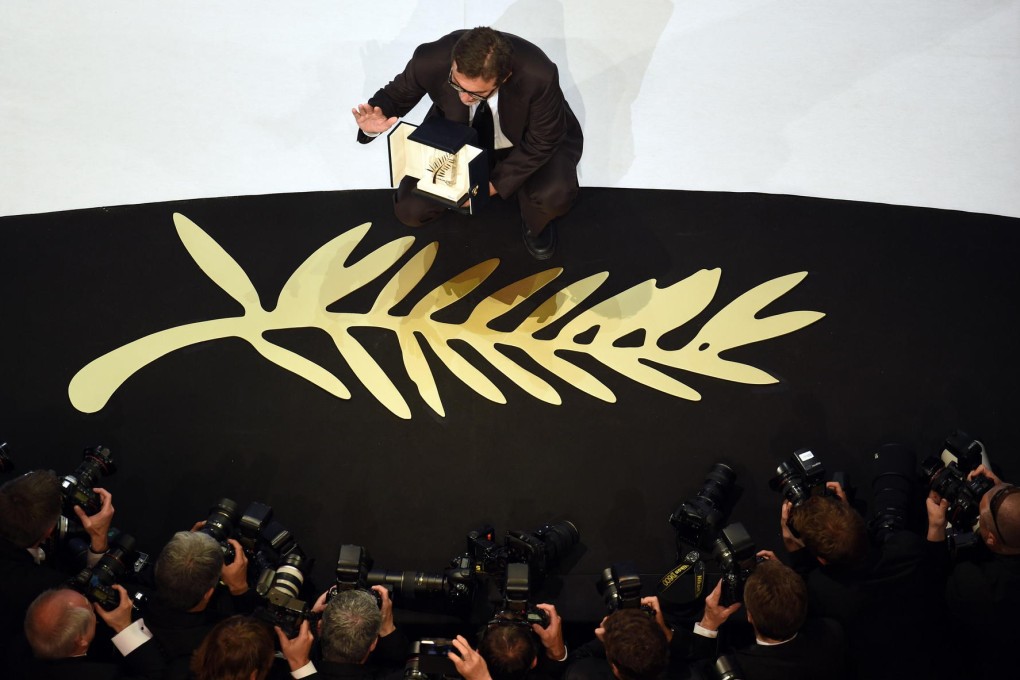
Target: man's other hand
[715,614]
[552,635]
[98,525]
[119,618]
[386,609]
[653,602]
[296,650]
[235,574]
[936,507]
[467,661]
[791,542]
[371,119]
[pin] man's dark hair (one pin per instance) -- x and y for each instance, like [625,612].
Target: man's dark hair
[350,624]
[484,53]
[776,600]
[29,507]
[233,650]
[831,529]
[509,651]
[188,566]
[635,645]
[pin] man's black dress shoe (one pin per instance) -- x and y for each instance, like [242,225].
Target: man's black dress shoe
[542,246]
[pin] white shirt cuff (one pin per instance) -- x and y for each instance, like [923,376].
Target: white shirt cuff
[132,637]
[705,632]
[304,671]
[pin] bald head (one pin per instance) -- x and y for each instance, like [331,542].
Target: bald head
[999,520]
[60,624]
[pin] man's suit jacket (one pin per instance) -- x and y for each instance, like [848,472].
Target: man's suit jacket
[817,652]
[21,581]
[144,662]
[533,114]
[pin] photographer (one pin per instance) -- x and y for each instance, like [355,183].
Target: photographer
[788,645]
[630,644]
[60,626]
[510,647]
[190,598]
[875,587]
[358,638]
[983,588]
[30,506]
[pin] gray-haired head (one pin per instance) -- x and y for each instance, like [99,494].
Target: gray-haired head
[350,626]
[188,566]
[59,624]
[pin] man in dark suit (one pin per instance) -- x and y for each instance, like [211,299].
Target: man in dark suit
[29,508]
[60,626]
[509,90]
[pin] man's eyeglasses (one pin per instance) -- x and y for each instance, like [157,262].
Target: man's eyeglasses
[996,503]
[477,96]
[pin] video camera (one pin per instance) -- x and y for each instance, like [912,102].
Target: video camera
[96,583]
[946,475]
[77,486]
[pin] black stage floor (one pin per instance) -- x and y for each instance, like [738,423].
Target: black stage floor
[917,339]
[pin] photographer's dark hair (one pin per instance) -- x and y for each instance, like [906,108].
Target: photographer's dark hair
[776,600]
[29,507]
[831,529]
[483,53]
[635,645]
[238,648]
[509,651]
[188,566]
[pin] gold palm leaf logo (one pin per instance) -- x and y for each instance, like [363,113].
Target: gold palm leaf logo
[643,311]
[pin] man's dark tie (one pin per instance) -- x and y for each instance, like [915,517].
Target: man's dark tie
[482,122]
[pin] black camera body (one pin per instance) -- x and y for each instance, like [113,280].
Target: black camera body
[352,569]
[77,486]
[697,520]
[281,588]
[737,557]
[517,608]
[620,587]
[96,583]
[429,658]
[950,480]
[541,550]
[220,525]
[799,478]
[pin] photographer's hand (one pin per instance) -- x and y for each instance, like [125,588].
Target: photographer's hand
[600,632]
[297,650]
[936,506]
[98,525]
[653,602]
[468,662]
[982,470]
[235,574]
[552,635]
[792,543]
[320,604]
[119,618]
[715,615]
[838,489]
[386,609]
[767,555]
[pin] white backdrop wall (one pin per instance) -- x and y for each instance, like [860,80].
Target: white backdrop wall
[911,102]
